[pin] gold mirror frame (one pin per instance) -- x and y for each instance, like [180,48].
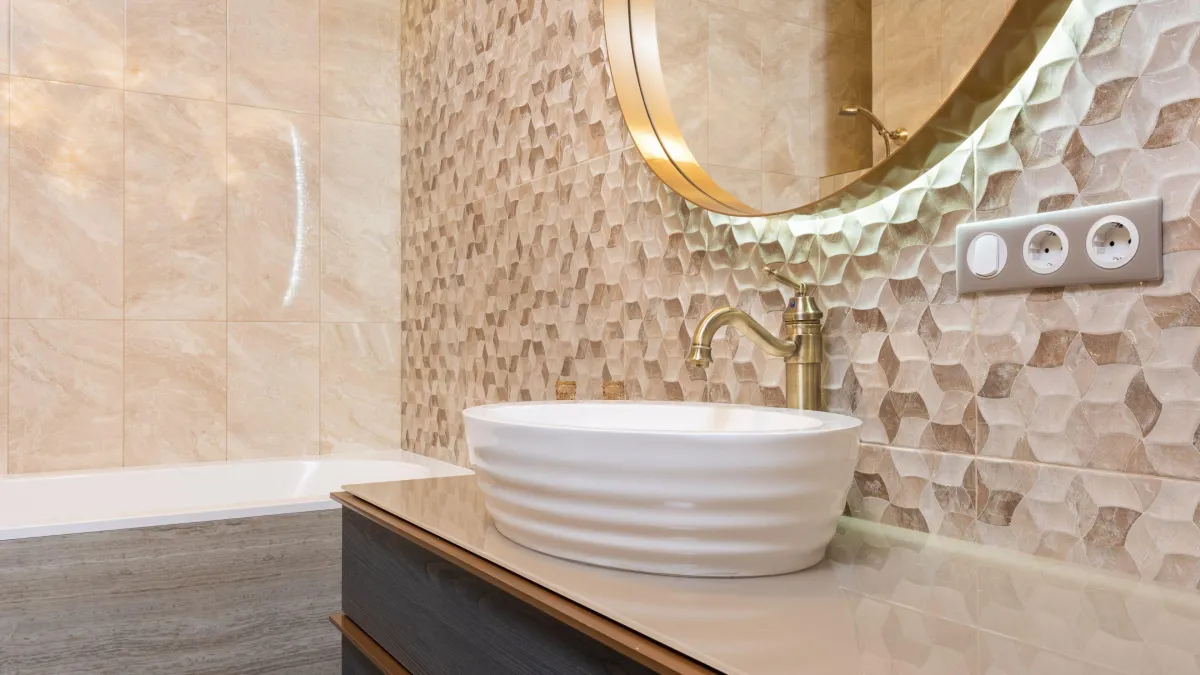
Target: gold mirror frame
[632,38]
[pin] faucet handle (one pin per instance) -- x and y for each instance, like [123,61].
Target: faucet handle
[800,287]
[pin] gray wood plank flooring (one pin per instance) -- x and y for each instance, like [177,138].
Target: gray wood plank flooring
[248,596]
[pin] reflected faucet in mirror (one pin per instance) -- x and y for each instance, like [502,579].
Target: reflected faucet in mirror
[889,136]
[801,344]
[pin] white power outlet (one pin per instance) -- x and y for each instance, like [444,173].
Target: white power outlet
[1113,241]
[1046,249]
[1105,244]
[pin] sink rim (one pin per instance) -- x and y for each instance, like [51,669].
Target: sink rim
[829,422]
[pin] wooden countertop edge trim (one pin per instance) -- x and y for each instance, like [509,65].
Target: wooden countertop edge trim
[367,647]
[630,643]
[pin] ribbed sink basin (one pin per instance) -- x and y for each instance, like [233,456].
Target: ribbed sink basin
[688,489]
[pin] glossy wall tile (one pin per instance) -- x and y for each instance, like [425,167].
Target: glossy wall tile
[360,386]
[274,211]
[360,209]
[360,59]
[67,189]
[274,380]
[274,54]
[175,392]
[65,403]
[177,47]
[69,41]
[175,166]
[175,208]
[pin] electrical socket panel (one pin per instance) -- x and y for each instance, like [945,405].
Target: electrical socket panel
[1107,244]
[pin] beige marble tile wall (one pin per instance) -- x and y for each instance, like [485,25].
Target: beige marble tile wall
[201,246]
[921,50]
[756,88]
[1059,422]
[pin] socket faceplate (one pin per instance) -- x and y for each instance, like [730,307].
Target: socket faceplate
[1146,265]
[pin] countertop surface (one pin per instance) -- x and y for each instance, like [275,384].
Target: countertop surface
[885,601]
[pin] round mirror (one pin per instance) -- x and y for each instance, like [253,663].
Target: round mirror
[754,107]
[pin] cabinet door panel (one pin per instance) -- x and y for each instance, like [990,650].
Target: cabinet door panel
[436,618]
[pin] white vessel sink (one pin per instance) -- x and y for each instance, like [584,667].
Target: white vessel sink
[687,489]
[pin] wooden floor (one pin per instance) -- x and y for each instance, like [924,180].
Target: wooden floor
[248,596]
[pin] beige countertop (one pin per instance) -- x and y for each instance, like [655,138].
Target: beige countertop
[886,601]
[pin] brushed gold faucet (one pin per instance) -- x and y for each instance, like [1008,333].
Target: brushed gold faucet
[801,345]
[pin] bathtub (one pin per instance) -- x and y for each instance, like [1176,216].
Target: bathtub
[93,501]
[204,569]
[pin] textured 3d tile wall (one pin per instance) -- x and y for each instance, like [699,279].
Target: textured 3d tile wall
[1061,422]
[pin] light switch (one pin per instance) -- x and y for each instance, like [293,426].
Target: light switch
[987,255]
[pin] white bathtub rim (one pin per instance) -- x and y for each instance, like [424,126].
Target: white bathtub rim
[272,508]
[243,509]
[388,455]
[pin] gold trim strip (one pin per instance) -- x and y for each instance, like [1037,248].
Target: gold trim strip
[631,35]
[629,95]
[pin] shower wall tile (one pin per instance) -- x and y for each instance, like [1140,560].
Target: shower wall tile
[64,395]
[360,221]
[746,184]
[962,23]
[5,36]
[839,66]
[911,32]
[786,79]
[274,374]
[66,201]
[274,208]
[683,50]
[176,48]
[3,397]
[175,198]
[69,40]
[4,195]
[360,387]
[175,392]
[735,88]
[274,54]
[784,191]
[360,59]
[161,175]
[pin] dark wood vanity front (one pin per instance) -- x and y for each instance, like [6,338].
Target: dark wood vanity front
[415,603]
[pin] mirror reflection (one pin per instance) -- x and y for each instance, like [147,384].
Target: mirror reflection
[783,102]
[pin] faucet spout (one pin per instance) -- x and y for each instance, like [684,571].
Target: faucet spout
[701,352]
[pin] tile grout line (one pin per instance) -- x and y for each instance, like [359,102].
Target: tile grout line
[8,246]
[228,224]
[402,239]
[316,113]
[124,212]
[8,252]
[320,227]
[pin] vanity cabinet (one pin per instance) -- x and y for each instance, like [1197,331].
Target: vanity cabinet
[414,603]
